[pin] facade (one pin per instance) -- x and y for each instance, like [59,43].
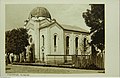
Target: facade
[50,40]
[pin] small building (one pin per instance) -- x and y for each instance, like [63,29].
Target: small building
[53,42]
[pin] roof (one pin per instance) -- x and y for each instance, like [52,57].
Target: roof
[40,12]
[63,26]
[73,28]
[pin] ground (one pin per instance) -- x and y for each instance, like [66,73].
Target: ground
[47,70]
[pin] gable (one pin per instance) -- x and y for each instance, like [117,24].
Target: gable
[40,24]
[30,25]
[30,32]
[44,23]
[56,26]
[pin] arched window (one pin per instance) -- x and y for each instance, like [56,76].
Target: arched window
[55,42]
[43,39]
[76,42]
[67,41]
[76,45]
[84,44]
[67,45]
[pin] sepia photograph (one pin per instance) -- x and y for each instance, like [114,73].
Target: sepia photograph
[52,38]
[55,38]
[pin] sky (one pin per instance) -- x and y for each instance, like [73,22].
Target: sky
[69,14]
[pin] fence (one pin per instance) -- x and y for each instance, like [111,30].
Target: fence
[80,61]
[100,60]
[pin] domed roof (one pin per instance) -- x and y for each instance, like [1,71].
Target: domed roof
[40,12]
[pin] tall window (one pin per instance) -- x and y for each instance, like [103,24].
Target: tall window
[43,39]
[76,42]
[67,45]
[84,44]
[55,39]
[76,45]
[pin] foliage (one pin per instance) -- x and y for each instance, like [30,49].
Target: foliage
[84,46]
[16,40]
[92,66]
[94,19]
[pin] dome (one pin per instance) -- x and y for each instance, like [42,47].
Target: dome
[40,12]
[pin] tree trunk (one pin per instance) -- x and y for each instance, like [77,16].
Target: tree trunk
[18,57]
[8,58]
[24,56]
[94,54]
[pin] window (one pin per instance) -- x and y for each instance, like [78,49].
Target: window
[43,39]
[76,45]
[84,44]
[76,42]
[55,42]
[67,45]
[67,41]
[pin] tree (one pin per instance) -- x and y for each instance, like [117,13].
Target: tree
[16,41]
[7,46]
[94,18]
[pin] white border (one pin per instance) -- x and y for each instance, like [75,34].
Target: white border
[111,35]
